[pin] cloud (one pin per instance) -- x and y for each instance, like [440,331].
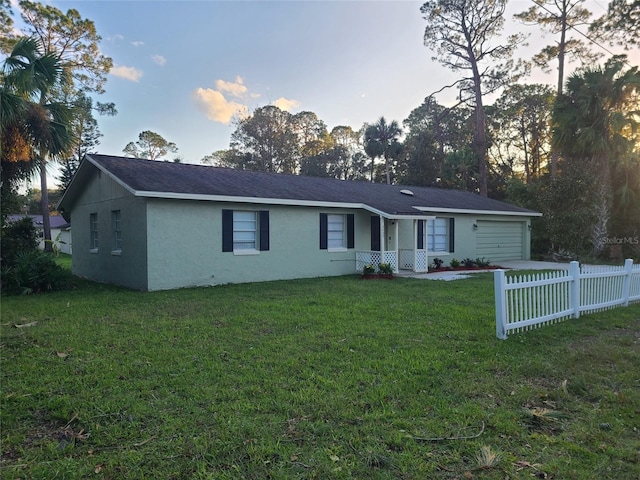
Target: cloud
[216,107]
[116,38]
[159,59]
[128,73]
[137,43]
[286,104]
[235,89]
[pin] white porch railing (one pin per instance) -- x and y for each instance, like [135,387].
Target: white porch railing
[415,260]
[527,301]
[376,258]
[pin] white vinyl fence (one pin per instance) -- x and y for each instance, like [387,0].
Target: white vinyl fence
[527,301]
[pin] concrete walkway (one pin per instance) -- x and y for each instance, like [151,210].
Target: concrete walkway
[507,265]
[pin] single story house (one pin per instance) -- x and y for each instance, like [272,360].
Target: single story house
[60,230]
[154,225]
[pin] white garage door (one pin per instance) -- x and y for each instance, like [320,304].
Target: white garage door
[500,240]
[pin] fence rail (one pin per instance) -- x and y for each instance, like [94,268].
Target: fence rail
[528,301]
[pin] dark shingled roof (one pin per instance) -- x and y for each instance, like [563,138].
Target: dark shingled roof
[177,179]
[55,221]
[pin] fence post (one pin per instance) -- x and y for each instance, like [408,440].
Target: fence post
[500,295]
[626,284]
[574,273]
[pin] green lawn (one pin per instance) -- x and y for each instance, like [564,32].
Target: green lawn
[333,378]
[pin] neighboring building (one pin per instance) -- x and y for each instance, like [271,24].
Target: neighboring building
[154,225]
[60,230]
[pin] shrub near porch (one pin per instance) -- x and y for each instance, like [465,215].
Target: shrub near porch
[329,378]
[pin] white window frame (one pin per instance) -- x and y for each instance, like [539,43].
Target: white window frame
[438,235]
[116,226]
[336,232]
[245,224]
[93,232]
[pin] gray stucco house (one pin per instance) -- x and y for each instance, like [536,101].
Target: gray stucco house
[154,225]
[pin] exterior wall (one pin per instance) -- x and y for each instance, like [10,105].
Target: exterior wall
[405,234]
[185,245]
[127,267]
[178,243]
[65,243]
[466,237]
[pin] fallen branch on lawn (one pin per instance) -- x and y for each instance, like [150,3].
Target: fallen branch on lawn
[441,439]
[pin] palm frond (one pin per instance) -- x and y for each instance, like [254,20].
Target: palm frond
[12,108]
[29,71]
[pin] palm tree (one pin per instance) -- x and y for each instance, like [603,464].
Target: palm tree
[35,127]
[596,123]
[381,139]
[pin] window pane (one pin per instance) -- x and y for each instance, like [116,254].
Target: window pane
[244,236]
[440,245]
[437,235]
[244,216]
[244,230]
[93,231]
[117,233]
[249,226]
[335,231]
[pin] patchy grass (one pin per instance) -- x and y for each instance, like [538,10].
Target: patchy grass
[64,260]
[332,378]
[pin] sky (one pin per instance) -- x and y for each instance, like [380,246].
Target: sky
[184,69]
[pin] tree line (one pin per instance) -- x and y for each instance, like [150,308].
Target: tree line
[570,152]
[49,78]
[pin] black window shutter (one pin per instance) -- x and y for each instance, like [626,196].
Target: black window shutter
[452,234]
[420,234]
[264,230]
[324,226]
[227,230]
[350,230]
[375,233]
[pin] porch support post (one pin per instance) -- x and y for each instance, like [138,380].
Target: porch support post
[382,237]
[415,245]
[426,243]
[397,227]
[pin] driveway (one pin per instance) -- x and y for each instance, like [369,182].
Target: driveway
[507,265]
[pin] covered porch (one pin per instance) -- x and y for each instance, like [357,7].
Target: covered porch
[400,241]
